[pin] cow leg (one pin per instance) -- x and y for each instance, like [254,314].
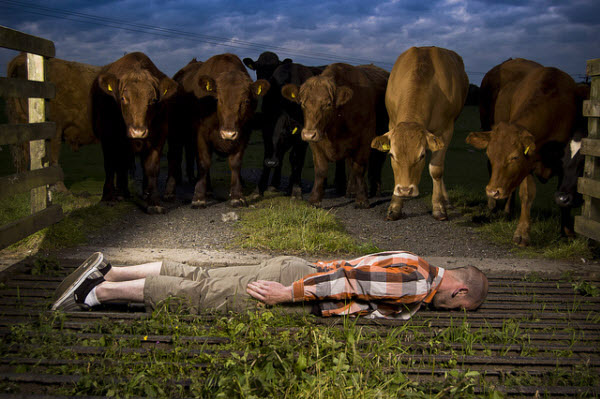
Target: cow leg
[358,176]
[439,197]
[376,161]
[297,156]
[320,166]
[527,194]
[108,191]
[235,164]
[395,209]
[340,182]
[174,158]
[203,163]
[55,143]
[151,169]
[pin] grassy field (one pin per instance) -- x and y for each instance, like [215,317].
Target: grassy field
[465,176]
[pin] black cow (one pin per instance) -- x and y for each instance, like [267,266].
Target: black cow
[567,196]
[281,126]
[265,65]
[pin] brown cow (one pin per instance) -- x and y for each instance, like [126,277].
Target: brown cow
[128,116]
[427,89]
[223,100]
[68,109]
[534,118]
[343,111]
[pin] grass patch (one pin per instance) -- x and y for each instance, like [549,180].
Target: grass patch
[285,224]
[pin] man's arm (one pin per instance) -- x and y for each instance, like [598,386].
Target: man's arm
[270,292]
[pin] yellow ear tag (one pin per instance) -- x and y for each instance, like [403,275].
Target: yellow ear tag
[109,88]
[259,90]
[526,150]
[293,95]
[165,92]
[208,86]
[295,130]
[385,147]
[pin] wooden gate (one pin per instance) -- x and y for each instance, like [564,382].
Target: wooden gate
[588,224]
[37,132]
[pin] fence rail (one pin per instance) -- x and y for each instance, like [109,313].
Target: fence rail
[37,132]
[588,224]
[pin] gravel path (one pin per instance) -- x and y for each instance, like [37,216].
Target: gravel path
[187,228]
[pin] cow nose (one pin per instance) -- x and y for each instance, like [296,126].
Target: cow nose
[227,134]
[310,135]
[271,163]
[403,191]
[495,193]
[137,132]
[563,199]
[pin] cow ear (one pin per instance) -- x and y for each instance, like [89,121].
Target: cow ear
[260,87]
[479,140]
[381,143]
[250,63]
[109,84]
[434,143]
[343,95]
[528,142]
[286,61]
[166,88]
[206,87]
[291,92]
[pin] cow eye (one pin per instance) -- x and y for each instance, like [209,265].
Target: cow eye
[422,155]
[514,158]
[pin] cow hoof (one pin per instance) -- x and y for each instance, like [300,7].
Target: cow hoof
[199,204]
[272,189]
[393,215]
[362,205]
[297,192]
[238,203]
[440,216]
[316,204]
[255,196]
[521,240]
[156,210]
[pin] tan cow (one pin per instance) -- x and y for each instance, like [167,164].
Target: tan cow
[534,117]
[68,109]
[427,90]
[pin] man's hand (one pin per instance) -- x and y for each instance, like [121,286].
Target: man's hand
[270,292]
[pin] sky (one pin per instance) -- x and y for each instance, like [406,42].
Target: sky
[562,34]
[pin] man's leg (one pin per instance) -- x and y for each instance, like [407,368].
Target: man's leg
[136,272]
[124,291]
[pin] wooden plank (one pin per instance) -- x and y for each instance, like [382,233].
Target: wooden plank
[587,227]
[15,40]
[23,88]
[23,132]
[593,67]
[591,108]
[590,147]
[37,148]
[21,182]
[15,231]
[589,187]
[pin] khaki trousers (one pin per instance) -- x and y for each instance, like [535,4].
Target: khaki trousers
[224,288]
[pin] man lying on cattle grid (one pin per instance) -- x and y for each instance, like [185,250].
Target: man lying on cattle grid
[384,285]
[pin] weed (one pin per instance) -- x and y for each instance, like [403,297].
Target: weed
[586,288]
[45,266]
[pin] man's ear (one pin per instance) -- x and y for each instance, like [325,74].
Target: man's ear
[206,87]
[260,87]
[528,142]
[291,92]
[109,84]
[343,95]
[462,291]
[250,63]
[434,143]
[479,140]
[166,88]
[381,143]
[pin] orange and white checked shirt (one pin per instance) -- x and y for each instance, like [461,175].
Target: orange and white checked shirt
[388,285]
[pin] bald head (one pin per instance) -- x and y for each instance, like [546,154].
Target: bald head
[466,288]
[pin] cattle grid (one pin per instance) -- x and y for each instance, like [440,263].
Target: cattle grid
[588,224]
[533,337]
[37,131]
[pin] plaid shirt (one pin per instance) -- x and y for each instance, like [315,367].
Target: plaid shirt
[384,285]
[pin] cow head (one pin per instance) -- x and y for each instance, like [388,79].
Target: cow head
[407,144]
[321,100]
[236,97]
[573,163]
[265,65]
[512,153]
[138,95]
[285,133]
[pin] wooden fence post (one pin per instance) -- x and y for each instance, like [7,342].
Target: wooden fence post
[37,148]
[588,224]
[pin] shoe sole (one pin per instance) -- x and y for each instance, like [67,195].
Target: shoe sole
[80,274]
